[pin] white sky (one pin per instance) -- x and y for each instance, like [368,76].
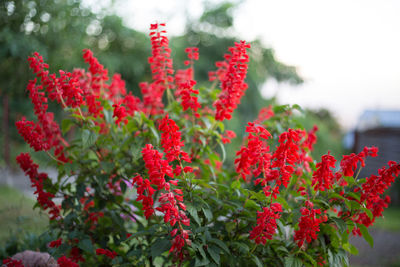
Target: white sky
[348,51]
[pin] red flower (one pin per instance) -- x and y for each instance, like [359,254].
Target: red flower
[232,83]
[55,243]
[10,262]
[120,114]
[66,262]
[106,252]
[161,69]
[286,155]
[44,199]
[157,167]
[266,223]
[308,224]
[171,140]
[264,114]
[228,136]
[323,175]
[254,157]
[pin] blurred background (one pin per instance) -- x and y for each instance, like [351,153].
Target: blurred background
[339,60]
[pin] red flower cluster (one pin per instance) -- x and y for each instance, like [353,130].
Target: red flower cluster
[157,167]
[264,114]
[286,155]
[255,157]
[66,262]
[171,140]
[55,243]
[232,84]
[99,74]
[10,262]
[43,198]
[45,134]
[348,164]
[305,149]
[106,252]
[161,69]
[145,194]
[226,138]
[266,223]
[323,176]
[308,224]
[184,83]
[120,114]
[371,192]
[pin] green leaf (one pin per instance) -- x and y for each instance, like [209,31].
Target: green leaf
[283,202]
[309,257]
[155,133]
[366,235]
[88,138]
[291,261]
[350,248]
[66,125]
[207,212]
[349,179]
[86,245]
[160,246]
[193,213]
[223,151]
[236,184]
[214,253]
[257,261]
[340,224]
[220,244]
[368,212]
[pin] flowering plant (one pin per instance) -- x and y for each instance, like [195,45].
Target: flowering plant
[142,181]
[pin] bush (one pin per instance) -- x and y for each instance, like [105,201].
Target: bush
[143,182]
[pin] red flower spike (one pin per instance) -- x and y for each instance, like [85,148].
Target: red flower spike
[171,140]
[266,223]
[323,177]
[232,81]
[44,199]
[308,224]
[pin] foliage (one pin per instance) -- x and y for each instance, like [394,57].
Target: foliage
[143,181]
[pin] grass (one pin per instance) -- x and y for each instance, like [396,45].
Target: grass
[17,216]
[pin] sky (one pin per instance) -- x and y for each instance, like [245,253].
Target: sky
[348,51]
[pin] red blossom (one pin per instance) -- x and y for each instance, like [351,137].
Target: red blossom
[66,262]
[323,177]
[254,158]
[10,262]
[372,190]
[44,198]
[232,84]
[120,114]
[286,155]
[171,140]
[228,136]
[55,243]
[266,223]
[106,252]
[264,114]
[308,224]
